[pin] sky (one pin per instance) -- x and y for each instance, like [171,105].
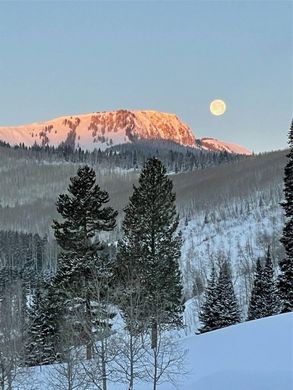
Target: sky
[71,57]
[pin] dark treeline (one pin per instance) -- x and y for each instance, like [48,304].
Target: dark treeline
[22,265]
[22,250]
[175,157]
[23,259]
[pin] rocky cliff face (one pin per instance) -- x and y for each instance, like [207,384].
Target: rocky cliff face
[102,129]
[105,129]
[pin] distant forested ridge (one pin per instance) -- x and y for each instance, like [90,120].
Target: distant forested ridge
[176,158]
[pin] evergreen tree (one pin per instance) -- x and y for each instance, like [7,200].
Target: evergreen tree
[208,314]
[226,304]
[33,354]
[148,255]
[256,304]
[130,294]
[41,344]
[270,293]
[84,216]
[286,265]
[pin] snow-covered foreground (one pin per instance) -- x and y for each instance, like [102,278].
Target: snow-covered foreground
[255,355]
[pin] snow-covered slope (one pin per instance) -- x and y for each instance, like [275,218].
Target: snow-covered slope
[239,239]
[255,355]
[101,129]
[216,145]
[104,129]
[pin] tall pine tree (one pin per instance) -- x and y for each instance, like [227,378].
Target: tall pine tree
[286,265]
[270,293]
[41,344]
[208,314]
[256,304]
[84,217]
[149,253]
[226,304]
[264,300]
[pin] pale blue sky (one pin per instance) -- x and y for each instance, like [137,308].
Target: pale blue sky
[59,58]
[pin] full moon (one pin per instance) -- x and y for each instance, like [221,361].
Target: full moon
[218,107]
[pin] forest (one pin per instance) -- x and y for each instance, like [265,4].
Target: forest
[102,269]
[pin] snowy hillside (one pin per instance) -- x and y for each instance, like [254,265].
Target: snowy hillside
[104,129]
[256,355]
[251,356]
[239,239]
[228,212]
[216,145]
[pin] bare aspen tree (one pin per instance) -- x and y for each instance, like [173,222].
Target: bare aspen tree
[98,369]
[69,374]
[10,335]
[166,362]
[129,339]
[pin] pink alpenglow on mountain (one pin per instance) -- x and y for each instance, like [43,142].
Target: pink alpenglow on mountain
[100,130]
[216,145]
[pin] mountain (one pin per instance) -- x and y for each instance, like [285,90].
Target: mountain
[216,145]
[105,129]
[102,129]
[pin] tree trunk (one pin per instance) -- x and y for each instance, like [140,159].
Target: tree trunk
[154,335]
[131,363]
[155,368]
[89,346]
[69,372]
[104,370]
[2,378]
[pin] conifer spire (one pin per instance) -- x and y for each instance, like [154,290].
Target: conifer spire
[285,279]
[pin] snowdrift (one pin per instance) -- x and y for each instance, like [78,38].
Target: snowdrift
[255,355]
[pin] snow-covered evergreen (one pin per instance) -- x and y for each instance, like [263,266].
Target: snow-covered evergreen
[148,258]
[256,308]
[227,307]
[208,314]
[286,265]
[79,272]
[271,303]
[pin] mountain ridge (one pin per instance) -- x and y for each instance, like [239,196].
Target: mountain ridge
[107,128]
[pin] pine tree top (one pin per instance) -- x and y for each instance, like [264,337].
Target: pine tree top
[286,265]
[83,213]
[152,202]
[290,138]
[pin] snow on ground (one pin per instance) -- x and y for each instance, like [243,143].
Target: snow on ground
[255,355]
[238,239]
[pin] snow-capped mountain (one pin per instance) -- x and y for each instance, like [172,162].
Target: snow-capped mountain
[104,129]
[216,145]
